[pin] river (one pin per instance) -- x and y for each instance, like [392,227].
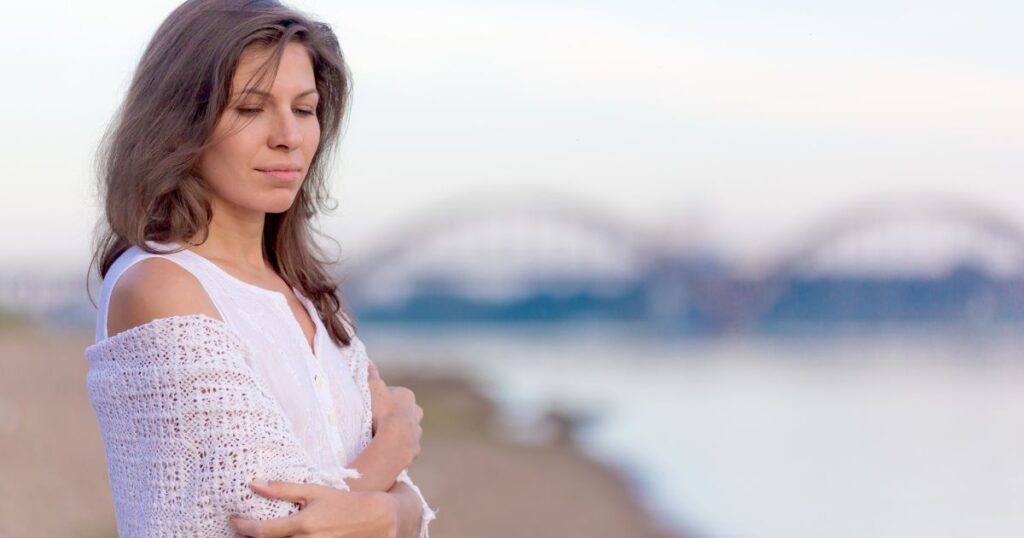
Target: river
[880,434]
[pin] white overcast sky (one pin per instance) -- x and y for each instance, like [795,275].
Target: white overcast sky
[745,122]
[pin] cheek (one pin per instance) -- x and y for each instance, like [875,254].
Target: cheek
[311,140]
[225,165]
[232,156]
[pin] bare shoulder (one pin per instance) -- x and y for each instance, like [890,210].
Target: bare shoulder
[155,288]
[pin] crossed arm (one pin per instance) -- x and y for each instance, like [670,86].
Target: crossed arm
[380,466]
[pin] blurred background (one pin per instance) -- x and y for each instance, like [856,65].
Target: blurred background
[653,268]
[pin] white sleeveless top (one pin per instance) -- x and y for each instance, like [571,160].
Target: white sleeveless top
[315,390]
[192,408]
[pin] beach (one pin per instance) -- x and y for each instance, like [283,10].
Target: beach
[481,481]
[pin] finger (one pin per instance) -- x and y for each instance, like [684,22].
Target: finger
[268,528]
[378,384]
[403,394]
[288,491]
[374,372]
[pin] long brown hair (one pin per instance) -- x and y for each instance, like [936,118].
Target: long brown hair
[147,160]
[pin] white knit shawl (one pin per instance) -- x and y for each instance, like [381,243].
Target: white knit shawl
[187,426]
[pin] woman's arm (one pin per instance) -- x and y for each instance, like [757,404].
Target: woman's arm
[329,511]
[396,435]
[326,511]
[394,445]
[410,510]
[380,462]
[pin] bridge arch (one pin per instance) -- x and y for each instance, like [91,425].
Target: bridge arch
[490,244]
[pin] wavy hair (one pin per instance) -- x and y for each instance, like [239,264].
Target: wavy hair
[148,158]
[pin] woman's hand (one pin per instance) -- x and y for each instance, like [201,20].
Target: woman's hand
[325,512]
[396,416]
[380,395]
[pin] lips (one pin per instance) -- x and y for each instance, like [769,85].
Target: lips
[281,168]
[282,173]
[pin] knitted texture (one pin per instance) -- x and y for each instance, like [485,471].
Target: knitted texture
[187,426]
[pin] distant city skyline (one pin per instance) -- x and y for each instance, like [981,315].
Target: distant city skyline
[743,123]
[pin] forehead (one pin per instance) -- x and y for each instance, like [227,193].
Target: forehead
[294,69]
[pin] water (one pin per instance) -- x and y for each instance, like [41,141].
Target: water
[889,436]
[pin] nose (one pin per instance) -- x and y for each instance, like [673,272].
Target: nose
[286,132]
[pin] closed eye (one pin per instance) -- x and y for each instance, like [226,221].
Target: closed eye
[252,111]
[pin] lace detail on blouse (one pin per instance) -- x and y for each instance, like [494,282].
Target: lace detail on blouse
[187,426]
[359,363]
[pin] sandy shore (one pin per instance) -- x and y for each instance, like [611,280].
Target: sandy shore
[483,485]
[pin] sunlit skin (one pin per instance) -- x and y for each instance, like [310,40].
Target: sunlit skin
[258,131]
[279,128]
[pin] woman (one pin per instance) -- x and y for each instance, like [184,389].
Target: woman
[232,395]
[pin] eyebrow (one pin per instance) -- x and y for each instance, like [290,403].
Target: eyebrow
[267,94]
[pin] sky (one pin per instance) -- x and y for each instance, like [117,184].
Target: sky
[743,124]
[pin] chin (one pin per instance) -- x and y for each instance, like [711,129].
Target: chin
[278,208]
[279,205]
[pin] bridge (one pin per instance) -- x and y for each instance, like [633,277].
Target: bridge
[513,248]
[523,257]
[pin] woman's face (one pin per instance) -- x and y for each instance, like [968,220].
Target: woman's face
[259,168]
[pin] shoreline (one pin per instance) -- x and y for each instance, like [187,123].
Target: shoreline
[481,481]
[596,499]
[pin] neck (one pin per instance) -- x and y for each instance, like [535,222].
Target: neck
[235,237]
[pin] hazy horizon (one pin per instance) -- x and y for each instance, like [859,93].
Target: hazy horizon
[743,124]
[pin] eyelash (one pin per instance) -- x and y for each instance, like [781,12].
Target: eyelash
[250,111]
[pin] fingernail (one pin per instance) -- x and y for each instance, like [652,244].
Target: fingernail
[260,482]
